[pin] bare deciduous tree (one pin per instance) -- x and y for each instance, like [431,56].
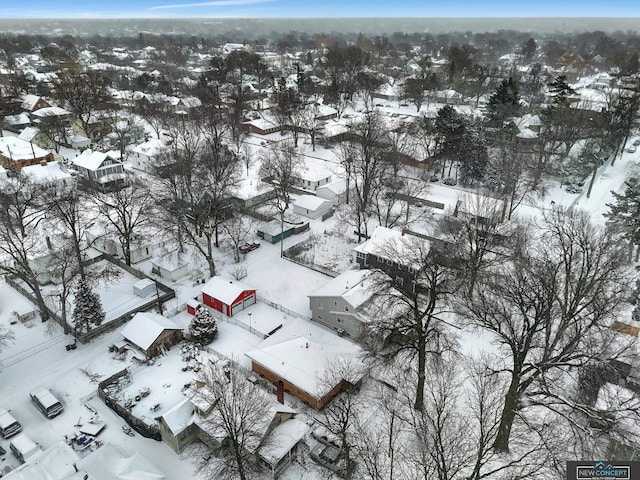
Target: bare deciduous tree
[281,163]
[236,425]
[411,299]
[550,308]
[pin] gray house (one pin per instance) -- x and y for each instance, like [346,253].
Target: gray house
[340,303]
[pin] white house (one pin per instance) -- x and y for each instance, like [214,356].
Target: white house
[145,156]
[100,170]
[311,206]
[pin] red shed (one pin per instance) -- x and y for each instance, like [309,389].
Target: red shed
[227,296]
[192,306]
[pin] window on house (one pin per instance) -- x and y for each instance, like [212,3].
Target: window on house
[389,262]
[346,309]
[400,281]
[340,320]
[320,305]
[319,317]
[335,304]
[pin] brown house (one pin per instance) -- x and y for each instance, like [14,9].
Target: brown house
[16,153]
[151,333]
[305,368]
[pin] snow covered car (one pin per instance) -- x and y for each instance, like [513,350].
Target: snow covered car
[631,149]
[248,247]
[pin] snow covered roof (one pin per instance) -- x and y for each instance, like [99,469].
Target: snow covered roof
[55,463]
[145,327]
[179,417]
[51,171]
[304,361]
[29,101]
[224,289]
[20,119]
[51,112]
[310,202]
[283,438]
[18,149]
[92,160]
[350,285]
[380,237]
[151,148]
[111,463]
[28,134]
[314,170]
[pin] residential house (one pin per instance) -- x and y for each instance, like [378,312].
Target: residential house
[194,418]
[16,153]
[52,174]
[17,122]
[300,359]
[38,137]
[56,113]
[143,246]
[261,126]
[449,97]
[31,103]
[100,170]
[227,296]
[311,206]
[146,155]
[340,303]
[177,426]
[314,174]
[151,333]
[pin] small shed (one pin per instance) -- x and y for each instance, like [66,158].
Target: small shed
[24,313]
[192,306]
[151,333]
[311,206]
[227,296]
[145,287]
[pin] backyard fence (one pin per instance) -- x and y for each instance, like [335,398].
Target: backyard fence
[104,392]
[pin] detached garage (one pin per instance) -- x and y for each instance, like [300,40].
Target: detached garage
[311,206]
[227,296]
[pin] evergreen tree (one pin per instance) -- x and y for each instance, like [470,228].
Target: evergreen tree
[473,158]
[624,215]
[505,102]
[203,327]
[88,311]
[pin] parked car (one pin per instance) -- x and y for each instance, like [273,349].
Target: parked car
[248,247]
[23,447]
[573,189]
[449,181]
[46,402]
[434,178]
[631,149]
[9,426]
[636,143]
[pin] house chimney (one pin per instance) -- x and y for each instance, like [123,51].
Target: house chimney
[280,391]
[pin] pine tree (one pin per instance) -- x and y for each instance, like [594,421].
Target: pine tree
[203,327]
[88,311]
[505,102]
[624,215]
[473,158]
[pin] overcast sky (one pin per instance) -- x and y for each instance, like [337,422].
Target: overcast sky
[316,8]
